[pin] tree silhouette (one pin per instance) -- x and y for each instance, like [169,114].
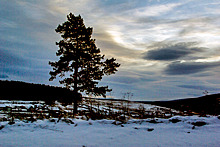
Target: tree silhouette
[80,62]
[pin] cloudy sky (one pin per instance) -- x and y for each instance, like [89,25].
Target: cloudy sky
[167,49]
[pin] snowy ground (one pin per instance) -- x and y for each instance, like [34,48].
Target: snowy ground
[103,107]
[104,133]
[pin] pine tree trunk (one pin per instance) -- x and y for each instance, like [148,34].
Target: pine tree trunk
[75,105]
[76,96]
[75,83]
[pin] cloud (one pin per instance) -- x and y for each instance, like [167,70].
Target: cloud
[199,87]
[20,61]
[129,78]
[185,68]
[4,76]
[9,59]
[156,10]
[171,52]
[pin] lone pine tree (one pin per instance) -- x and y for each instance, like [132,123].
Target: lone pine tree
[81,64]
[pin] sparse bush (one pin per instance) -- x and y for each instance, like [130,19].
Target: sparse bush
[150,129]
[1,127]
[68,121]
[199,123]
[174,120]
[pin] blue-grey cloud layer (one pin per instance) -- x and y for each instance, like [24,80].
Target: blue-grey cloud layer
[199,87]
[185,68]
[171,52]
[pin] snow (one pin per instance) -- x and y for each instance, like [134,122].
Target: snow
[175,131]
[135,132]
[26,104]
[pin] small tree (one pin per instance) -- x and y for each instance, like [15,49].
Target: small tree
[80,60]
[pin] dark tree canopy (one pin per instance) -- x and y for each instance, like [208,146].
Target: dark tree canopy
[17,90]
[81,65]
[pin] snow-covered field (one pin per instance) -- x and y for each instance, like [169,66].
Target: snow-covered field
[182,131]
[171,132]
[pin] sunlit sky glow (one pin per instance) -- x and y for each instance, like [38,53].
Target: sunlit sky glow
[167,49]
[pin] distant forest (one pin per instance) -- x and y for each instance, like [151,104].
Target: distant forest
[208,104]
[16,90]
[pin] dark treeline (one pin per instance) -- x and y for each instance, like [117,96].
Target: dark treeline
[16,90]
[208,104]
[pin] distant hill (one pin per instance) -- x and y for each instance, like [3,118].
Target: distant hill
[209,104]
[16,90]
